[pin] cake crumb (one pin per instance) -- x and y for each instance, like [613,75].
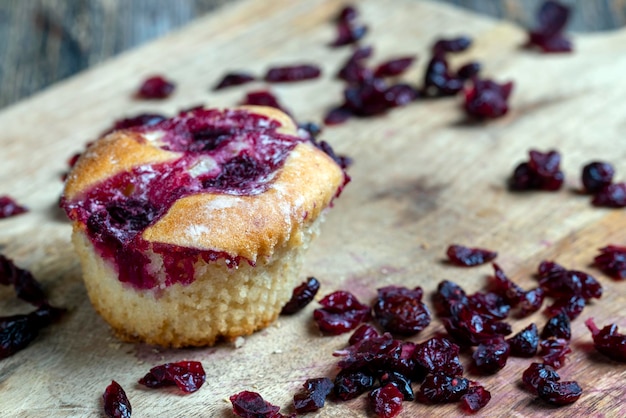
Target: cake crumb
[239,342]
[277,351]
[115,346]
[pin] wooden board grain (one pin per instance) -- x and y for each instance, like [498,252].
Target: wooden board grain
[423,178]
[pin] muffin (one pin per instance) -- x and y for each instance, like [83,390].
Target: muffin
[194,229]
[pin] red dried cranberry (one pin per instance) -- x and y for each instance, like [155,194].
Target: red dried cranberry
[538,373]
[487,99]
[469,328]
[292,73]
[438,80]
[314,395]
[557,326]
[188,376]
[375,354]
[552,17]
[116,404]
[439,355]
[489,305]
[559,393]
[611,196]
[448,294]
[541,172]
[9,207]
[553,351]
[401,382]
[393,67]
[469,70]
[341,312]
[18,331]
[596,176]
[349,31]
[367,98]
[386,401]
[337,116]
[26,287]
[156,87]
[401,310]
[248,404]
[400,95]
[505,287]
[350,384]
[525,342]
[468,257]
[531,302]
[452,45]
[491,356]
[354,70]
[441,388]
[364,332]
[263,98]
[476,398]
[301,296]
[608,340]
[612,261]
[572,306]
[234,79]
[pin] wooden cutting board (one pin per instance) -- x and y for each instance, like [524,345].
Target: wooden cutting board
[422,179]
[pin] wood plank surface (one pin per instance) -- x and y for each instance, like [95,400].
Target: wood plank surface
[423,178]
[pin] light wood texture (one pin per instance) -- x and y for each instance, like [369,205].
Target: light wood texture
[422,179]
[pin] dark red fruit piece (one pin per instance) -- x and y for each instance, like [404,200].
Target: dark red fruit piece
[553,351]
[312,129]
[314,395]
[234,79]
[525,342]
[377,355]
[262,98]
[612,196]
[349,31]
[156,87]
[440,388]
[18,331]
[116,404]
[292,73]
[337,116]
[476,398]
[487,99]
[469,328]
[252,405]
[489,305]
[439,355]
[400,95]
[452,45]
[505,287]
[530,302]
[608,340]
[572,306]
[393,67]
[596,176]
[570,288]
[301,296]
[386,401]
[438,80]
[491,356]
[468,257]
[367,98]
[354,69]
[448,294]
[341,312]
[26,287]
[401,310]
[400,381]
[347,13]
[559,393]
[9,207]
[143,119]
[538,373]
[362,333]
[552,17]
[188,376]
[469,70]
[557,326]
[541,172]
[612,261]
[350,384]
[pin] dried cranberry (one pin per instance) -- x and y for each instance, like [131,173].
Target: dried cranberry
[538,373]
[252,405]
[349,31]
[541,172]
[559,393]
[439,355]
[611,196]
[367,98]
[441,388]
[469,70]
[596,176]
[337,116]
[612,261]
[26,287]
[476,398]
[491,356]
[354,70]
[525,342]
[376,355]
[262,98]
[314,395]
[116,404]
[386,401]
[553,351]
[350,384]
[401,310]
[400,95]
[393,67]
[557,326]
[234,79]
[489,305]
[18,331]
[505,287]
[156,87]
[292,73]
[188,376]
[364,332]
[469,328]
[487,99]
[9,207]
[438,80]
[301,296]
[341,312]
[572,306]
[468,257]
[452,45]
[608,340]
[400,381]
[448,294]
[552,17]
[530,302]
